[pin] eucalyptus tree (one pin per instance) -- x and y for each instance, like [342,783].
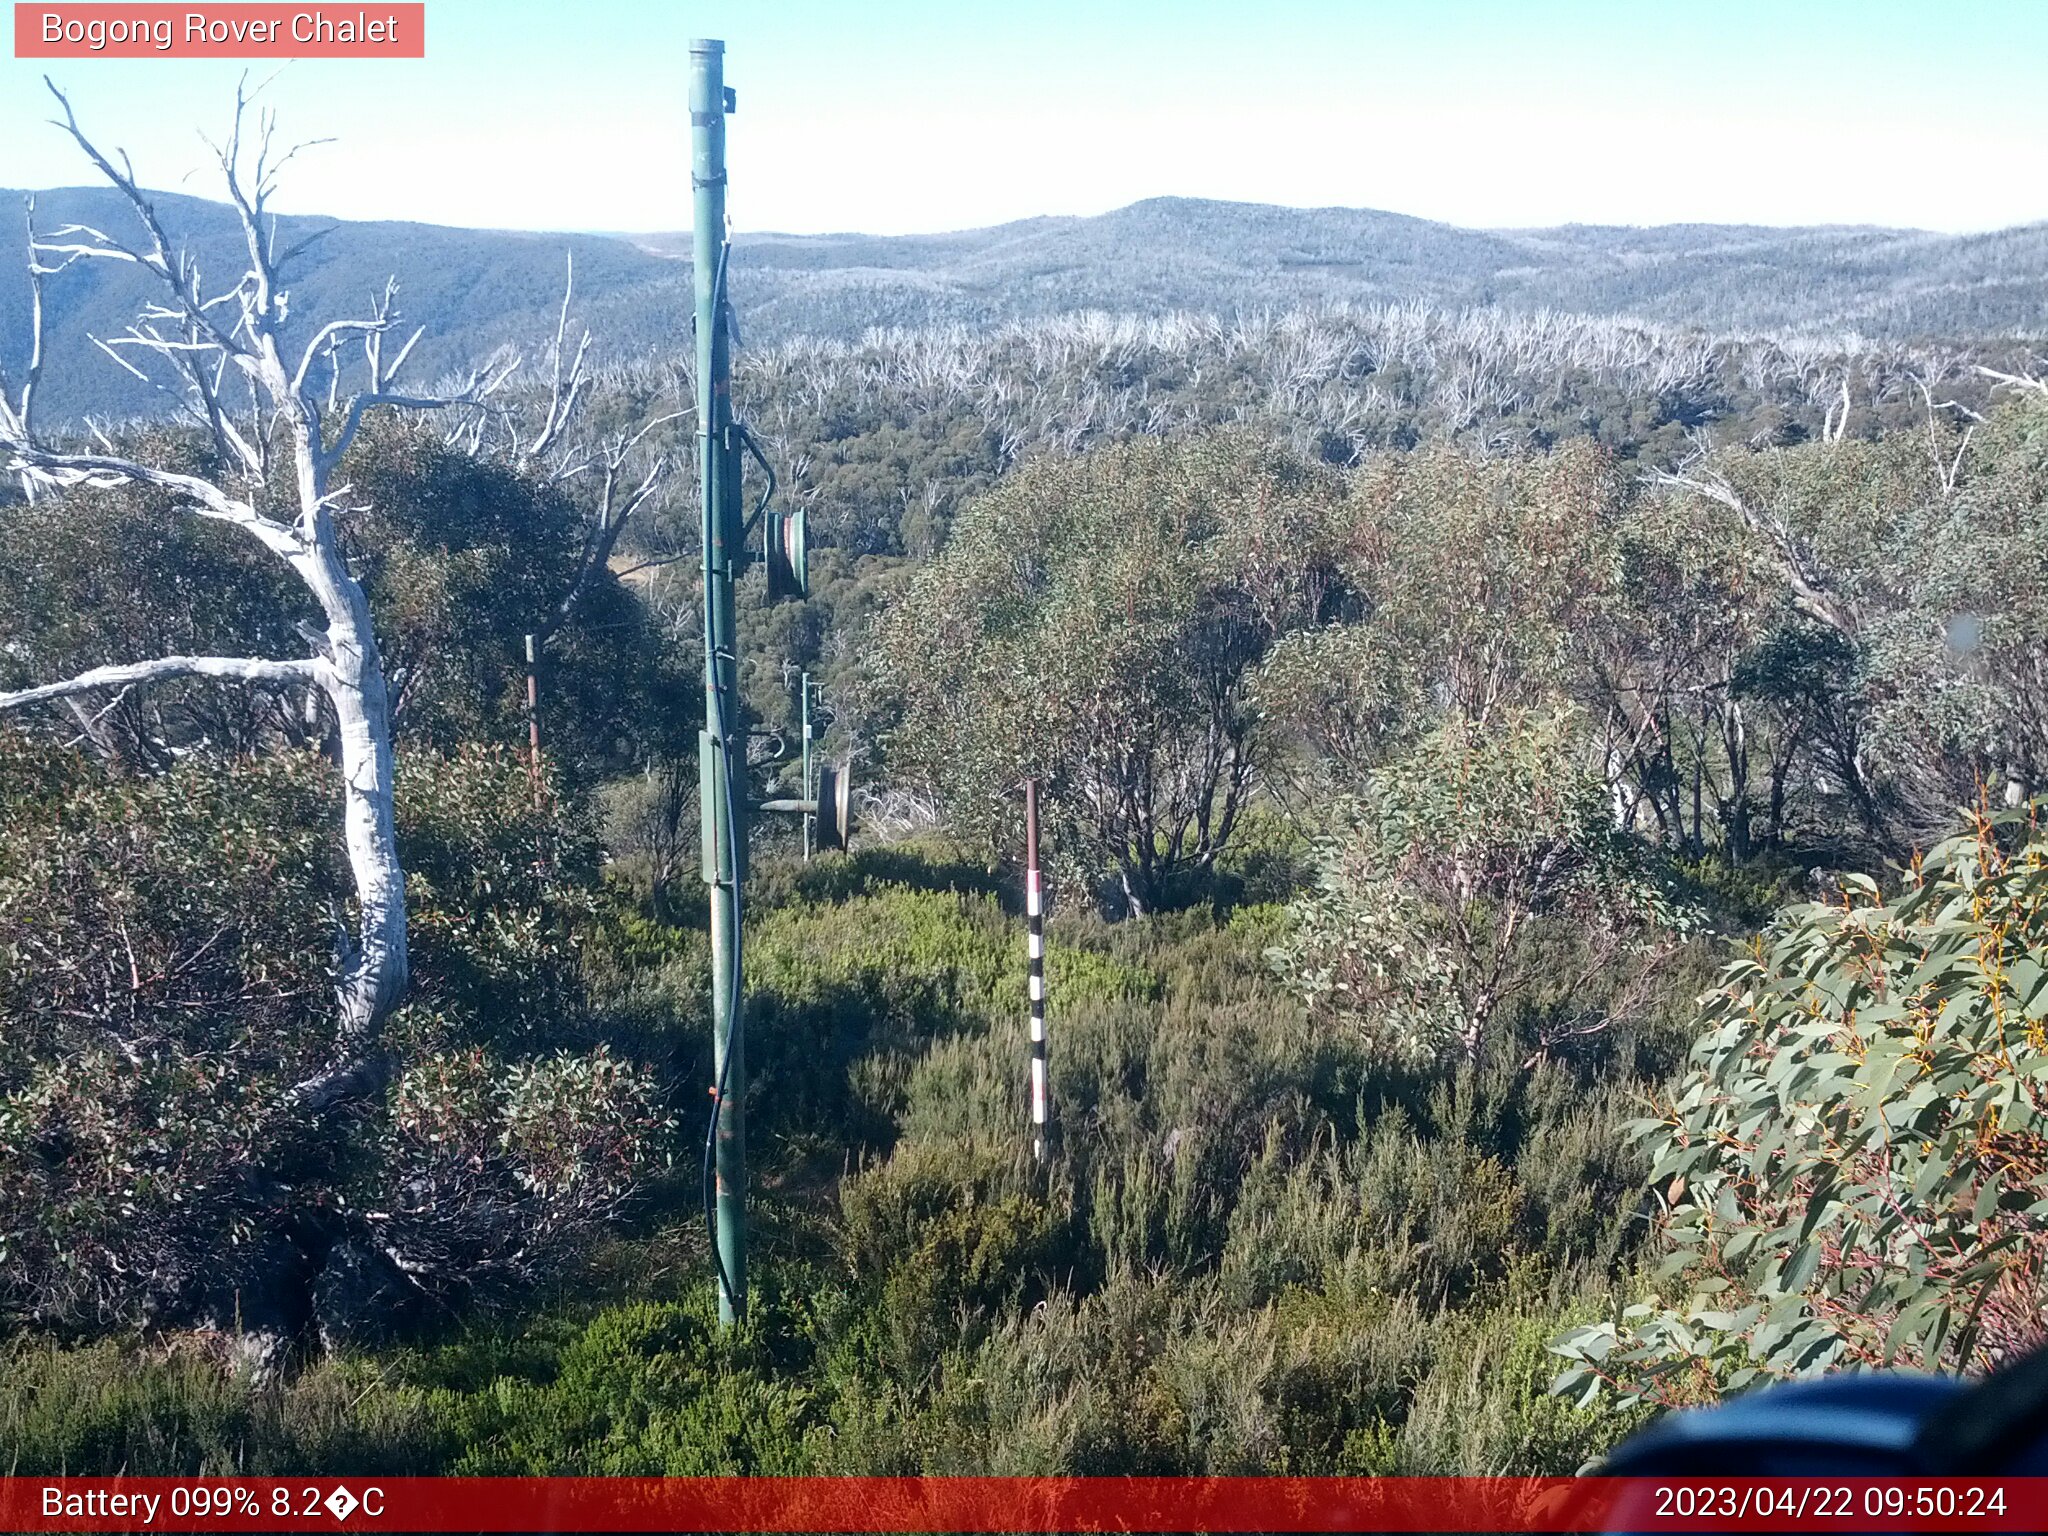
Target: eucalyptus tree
[1918,562]
[1850,1173]
[1485,575]
[1684,672]
[1096,622]
[1475,882]
[274,452]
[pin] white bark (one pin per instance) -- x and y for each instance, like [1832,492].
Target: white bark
[536,433]
[1810,591]
[192,339]
[242,669]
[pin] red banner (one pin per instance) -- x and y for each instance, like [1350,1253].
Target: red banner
[116,31]
[1022,1504]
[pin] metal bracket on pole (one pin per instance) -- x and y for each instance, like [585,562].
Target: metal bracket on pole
[829,811]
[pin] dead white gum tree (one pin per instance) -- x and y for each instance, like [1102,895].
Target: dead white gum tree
[532,431]
[214,348]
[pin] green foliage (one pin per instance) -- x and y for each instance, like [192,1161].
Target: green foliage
[151,1017]
[1095,623]
[165,970]
[1925,556]
[1487,1410]
[1853,1164]
[460,559]
[648,1390]
[950,1233]
[1482,873]
[498,897]
[1257,1250]
[1484,576]
[1253,1238]
[1500,702]
[1346,693]
[640,1389]
[97,577]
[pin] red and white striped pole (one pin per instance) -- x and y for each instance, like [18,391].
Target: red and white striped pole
[533,719]
[1034,913]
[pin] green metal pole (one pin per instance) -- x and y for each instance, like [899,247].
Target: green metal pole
[722,744]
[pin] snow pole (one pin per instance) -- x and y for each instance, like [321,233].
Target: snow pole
[1034,915]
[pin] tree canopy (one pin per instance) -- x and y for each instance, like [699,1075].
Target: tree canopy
[1097,623]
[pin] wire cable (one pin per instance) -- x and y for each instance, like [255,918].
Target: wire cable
[734,1030]
[734,1033]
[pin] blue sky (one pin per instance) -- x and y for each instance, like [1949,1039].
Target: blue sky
[900,115]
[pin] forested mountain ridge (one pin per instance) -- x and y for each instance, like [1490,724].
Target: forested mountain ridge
[483,287]
[471,289]
[1188,253]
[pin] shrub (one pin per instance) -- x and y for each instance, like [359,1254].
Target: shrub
[648,1390]
[164,965]
[1855,1165]
[1482,874]
[945,1234]
[1096,623]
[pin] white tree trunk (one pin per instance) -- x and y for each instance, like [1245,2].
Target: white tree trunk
[193,336]
[374,971]
[374,977]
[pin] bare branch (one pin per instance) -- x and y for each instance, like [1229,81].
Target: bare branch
[176,276]
[103,471]
[1951,469]
[656,562]
[613,513]
[324,341]
[398,363]
[612,517]
[566,389]
[89,725]
[361,405]
[17,416]
[659,421]
[383,307]
[293,252]
[240,669]
[261,309]
[1809,589]
[2029,381]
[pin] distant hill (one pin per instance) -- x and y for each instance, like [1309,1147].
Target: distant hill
[476,288]
[471,288]
[1181,253]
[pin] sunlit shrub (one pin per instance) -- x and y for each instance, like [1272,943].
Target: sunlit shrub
[1855,1166]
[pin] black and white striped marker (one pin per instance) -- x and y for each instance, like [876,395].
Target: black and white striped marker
[1034,912]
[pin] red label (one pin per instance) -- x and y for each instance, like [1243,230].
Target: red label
[1023,1504]
[377,31]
